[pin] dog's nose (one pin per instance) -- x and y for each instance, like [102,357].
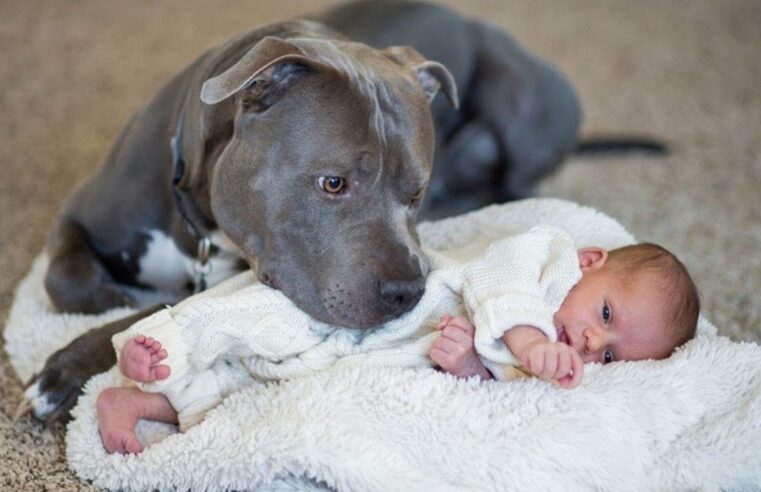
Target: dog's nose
[399,296]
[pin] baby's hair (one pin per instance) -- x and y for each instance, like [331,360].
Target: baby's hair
[682,316]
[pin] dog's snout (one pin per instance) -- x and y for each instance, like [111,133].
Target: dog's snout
[399,296]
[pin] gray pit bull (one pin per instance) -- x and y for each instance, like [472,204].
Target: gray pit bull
[299,150]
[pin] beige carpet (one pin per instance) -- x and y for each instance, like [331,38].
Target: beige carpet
[72,72]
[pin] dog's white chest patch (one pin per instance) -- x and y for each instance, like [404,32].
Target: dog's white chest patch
[165,267]
[226,260]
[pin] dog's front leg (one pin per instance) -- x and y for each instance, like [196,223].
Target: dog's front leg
[77,281]
[54,391]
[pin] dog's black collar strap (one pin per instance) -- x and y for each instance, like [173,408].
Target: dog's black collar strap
[186,208]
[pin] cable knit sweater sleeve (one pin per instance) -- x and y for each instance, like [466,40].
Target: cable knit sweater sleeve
[520,280]
[253,321]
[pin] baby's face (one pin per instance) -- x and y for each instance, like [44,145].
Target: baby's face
[606,319]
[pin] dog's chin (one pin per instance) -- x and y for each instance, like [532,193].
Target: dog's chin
[344,314]
[335,303]
[327,307]
[343,306]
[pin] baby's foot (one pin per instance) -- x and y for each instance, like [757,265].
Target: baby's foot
[140,359]
[118,414]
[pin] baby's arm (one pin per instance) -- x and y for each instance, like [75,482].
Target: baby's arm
[545,359]
[454,351]
[520,282]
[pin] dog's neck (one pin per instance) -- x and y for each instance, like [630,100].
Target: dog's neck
[198,225]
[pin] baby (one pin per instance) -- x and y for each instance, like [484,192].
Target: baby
[632,303]
[535,300]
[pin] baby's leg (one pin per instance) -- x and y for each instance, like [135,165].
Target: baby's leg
[119,409]
[139,360]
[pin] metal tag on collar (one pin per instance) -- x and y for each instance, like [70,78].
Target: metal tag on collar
[202,265]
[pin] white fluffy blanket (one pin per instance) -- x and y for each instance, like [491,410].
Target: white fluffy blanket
[690,422]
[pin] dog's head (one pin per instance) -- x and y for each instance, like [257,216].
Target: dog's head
[329,154]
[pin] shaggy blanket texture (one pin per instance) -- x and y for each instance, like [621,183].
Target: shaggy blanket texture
[691,421]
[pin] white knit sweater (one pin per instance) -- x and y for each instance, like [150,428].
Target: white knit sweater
[217,341]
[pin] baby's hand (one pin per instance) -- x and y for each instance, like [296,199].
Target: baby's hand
[454,352]
[557,361]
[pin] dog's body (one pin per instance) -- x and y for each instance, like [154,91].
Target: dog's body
[305,155]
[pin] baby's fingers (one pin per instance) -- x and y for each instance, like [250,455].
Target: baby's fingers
[438,356]
[443,345]
[573,377]
[445,359]
[550,368]
[535,362]
[458,323]
[457,334]
[444,321]
[577,366]
[564,367]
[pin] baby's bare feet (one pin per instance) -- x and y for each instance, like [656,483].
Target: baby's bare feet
[118,411]
[140,359]
[118,414]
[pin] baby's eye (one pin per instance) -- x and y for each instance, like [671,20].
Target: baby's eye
[605,314]
[607,356]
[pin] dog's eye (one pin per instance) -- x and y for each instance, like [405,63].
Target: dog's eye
[331,184]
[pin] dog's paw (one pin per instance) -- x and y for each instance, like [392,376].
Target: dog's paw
[52,394]
[54,391]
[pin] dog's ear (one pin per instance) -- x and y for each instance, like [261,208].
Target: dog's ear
[433,76]
[262,73]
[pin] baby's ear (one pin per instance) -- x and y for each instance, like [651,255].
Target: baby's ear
[592,258]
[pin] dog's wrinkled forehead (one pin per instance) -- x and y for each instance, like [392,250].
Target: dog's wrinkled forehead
[364,66]
[394,81]
[376,78]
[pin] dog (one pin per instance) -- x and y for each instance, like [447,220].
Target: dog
[301,151]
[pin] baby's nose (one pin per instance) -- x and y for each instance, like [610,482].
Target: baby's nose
[595,340]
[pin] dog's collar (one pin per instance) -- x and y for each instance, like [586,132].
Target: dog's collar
[189,210]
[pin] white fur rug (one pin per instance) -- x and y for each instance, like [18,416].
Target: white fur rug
[690,422]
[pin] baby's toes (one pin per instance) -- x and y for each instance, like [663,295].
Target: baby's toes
[115,441]
[144,342]
[154,347]
[158,356]
[112,443]
[131,445]
[161,372]
[150,344]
